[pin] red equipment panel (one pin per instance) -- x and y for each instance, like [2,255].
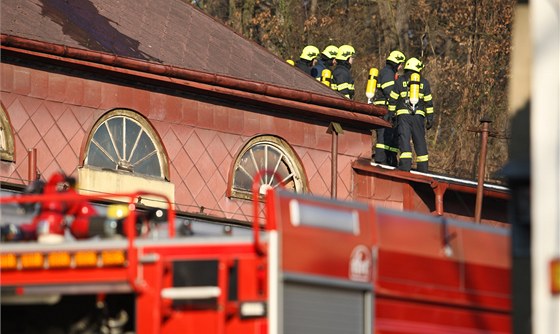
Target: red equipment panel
[322,281]
[324,237]
[441,275]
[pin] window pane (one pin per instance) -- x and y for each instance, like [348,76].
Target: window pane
[125,144]
[259,154]
[132,131]
[97,158]
[143,148]
[149,166]
[266,156]
[101,136]
[273,157]
[275,164]
[116,128]
[247,163]
[283,170]
[242,181]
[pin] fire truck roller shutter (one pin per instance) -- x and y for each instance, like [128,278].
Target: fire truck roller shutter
[317,305]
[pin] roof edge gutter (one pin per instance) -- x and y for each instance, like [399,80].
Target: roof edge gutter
[434,182]
[191,75]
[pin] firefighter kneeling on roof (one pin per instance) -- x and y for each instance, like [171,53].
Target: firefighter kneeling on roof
[411,100]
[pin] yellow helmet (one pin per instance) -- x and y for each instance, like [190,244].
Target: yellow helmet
[291,62]
[330,51]
[345,52]
[309,52]
[414,64]
[396,57]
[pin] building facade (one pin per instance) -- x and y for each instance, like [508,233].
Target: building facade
[121,121]
[157,96]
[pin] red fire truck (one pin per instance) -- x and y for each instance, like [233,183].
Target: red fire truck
[313,265]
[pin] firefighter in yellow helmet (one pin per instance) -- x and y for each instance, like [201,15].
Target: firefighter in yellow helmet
[343,82]
[326,61]
[411,100]
[307,59]
[386,146]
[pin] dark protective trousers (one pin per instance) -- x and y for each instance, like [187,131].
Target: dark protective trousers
[412,127]
[386,145]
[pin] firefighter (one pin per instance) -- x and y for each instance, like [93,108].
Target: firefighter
[326,61]
[342,78]
[307,58]
[386,146]
[411,100]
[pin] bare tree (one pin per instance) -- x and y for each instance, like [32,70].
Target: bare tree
[463,43]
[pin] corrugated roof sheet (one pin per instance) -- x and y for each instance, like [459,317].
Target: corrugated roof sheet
[168,32]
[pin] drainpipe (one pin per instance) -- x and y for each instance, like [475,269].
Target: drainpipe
[481,168]
[32,174]
[334,129]
[439,190]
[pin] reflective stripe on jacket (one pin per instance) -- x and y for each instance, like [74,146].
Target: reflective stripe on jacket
[342,79]
[399,97]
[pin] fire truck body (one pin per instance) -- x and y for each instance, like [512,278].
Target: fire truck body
[441,276]
[412,273]
[317,266]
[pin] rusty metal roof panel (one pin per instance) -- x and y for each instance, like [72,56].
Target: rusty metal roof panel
[168,32]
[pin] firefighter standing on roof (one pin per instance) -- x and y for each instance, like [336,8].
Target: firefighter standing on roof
[342,78]
[307,59]
[326,61]
[411,100]
[386,147]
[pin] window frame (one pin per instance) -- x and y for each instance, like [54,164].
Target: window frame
[7,136]
[294,164]
[146,126]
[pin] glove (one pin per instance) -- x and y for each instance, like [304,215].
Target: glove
[394,120]
[409,106]
[391,117]
[429,122]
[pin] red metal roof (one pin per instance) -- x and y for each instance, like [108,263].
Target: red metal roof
[168,32]
[174,39]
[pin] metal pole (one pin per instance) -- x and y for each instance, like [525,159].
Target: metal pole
[439,190]
[334,129]
[481,169]
[31,164]
[334,163]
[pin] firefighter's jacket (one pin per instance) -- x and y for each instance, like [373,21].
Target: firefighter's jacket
[342,79]
[317,70]
[399,98]
[304,65]
[385,84]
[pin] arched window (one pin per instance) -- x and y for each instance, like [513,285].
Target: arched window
[6,137]
[123,140]
[267,153]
